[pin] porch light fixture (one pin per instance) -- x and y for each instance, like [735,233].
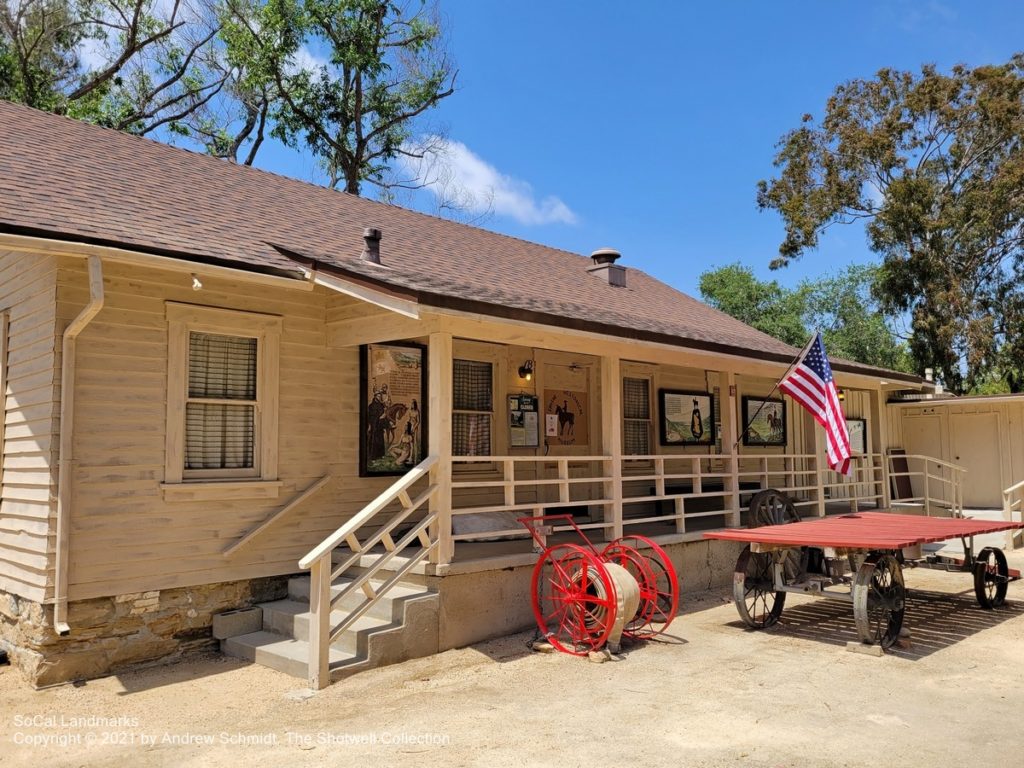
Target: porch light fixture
[841,394]
[526,370]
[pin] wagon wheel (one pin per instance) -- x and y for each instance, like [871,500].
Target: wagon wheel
[879,600]
[753,589]
[573,599]
[991,576]
[772,507]
[659,587]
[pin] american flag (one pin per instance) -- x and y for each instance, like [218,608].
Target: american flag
[810,383]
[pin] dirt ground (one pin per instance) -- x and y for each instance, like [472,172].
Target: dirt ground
[712,694]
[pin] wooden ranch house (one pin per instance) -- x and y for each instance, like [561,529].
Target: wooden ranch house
[223,388]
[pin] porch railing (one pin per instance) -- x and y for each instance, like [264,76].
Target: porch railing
[1013,511]
[379,517]
[490,492]
[935,484]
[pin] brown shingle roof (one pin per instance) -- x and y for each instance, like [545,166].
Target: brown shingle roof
[68,179]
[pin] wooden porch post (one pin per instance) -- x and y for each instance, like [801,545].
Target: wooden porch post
[320,623]
[880,416]
[819,466]
[439,434]
[611,438]
[730,414]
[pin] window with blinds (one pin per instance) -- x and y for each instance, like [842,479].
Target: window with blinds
[220,409]
[636,417]
[473,407]
[223,379]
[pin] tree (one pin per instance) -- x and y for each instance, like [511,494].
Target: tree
[133,65]
[766,306]
[384,64]
[852,323]
[933,164]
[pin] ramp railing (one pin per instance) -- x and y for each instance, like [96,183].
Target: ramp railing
[1013,511]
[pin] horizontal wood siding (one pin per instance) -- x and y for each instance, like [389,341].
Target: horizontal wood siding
[125,535]
[29,412]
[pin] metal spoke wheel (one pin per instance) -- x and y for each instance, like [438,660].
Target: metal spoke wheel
[772,507]
[573,599]
[991,576]
[879,600]
[753,589]
[656,576]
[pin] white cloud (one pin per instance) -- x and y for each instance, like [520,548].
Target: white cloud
[458,176]
[874,194]
[305,59]
[93,54]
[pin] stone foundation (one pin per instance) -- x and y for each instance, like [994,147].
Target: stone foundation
[111,633]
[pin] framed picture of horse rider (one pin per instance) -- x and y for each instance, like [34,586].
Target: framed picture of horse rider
[687,418]
[765,421]
[392,408]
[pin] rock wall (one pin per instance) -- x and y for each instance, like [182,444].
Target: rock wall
[111,633]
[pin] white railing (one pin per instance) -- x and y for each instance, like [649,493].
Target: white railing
[320,563]
[498,489]
[935,484]
[489,493]
[1013,511]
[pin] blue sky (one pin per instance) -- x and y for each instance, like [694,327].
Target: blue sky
[602,125]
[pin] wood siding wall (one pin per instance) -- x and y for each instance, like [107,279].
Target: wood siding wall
[29,414]
[1004,447]
[125,536]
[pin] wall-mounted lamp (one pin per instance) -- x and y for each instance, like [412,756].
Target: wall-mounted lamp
[526,370]
[197,284]
[841,394]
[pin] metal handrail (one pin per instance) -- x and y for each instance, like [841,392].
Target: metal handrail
[322,572]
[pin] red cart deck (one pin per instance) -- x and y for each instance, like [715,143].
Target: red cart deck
[865,530]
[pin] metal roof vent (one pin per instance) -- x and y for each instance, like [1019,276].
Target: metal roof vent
[371,251]
[604,266]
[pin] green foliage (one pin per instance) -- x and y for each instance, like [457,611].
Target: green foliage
[852,324]
[384,66]
[766,306]
[149,63]
[934,165]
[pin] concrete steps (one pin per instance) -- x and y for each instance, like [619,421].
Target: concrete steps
[402,625]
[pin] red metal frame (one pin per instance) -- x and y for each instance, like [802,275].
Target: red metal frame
[571,589]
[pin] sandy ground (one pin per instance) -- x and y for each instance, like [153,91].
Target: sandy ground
[713,694]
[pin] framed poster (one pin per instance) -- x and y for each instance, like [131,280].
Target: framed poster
[765,421]
[858,429]
[686,418]
[566,421]
[523,421]
[392,402]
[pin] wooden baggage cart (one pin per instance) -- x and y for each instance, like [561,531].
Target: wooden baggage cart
[858,558]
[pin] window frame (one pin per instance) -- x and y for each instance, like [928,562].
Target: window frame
[182,321]
[467,358]
[650,412]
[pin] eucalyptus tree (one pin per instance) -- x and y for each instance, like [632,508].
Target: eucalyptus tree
[933,164]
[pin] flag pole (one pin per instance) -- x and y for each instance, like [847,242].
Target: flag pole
[796,361]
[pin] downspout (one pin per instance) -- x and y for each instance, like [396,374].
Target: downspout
[65,456]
